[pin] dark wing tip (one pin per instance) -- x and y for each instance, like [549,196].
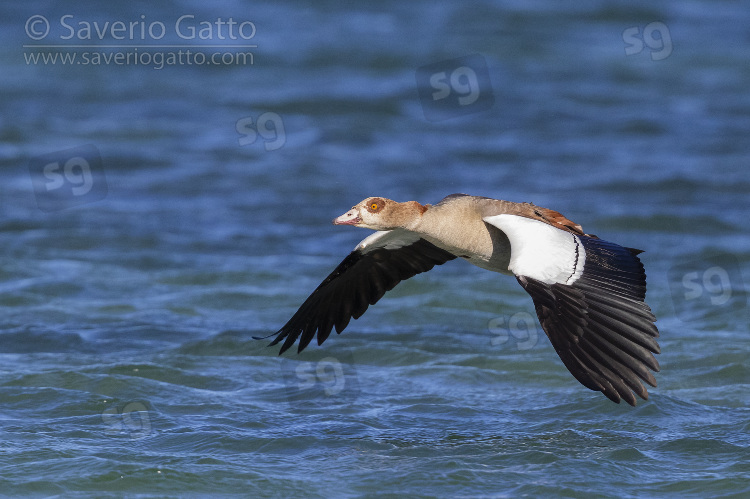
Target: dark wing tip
[264,337]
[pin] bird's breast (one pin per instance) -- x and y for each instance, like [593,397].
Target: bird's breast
[478,243]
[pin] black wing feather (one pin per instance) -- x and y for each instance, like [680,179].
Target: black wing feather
[360,280]
[600,325]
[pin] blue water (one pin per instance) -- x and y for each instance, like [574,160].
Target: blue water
[202,218]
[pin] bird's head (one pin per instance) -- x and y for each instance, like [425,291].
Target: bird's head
[381,214]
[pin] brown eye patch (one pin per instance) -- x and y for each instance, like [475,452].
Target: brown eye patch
[374,205]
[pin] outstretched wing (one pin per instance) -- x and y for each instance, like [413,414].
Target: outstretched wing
[376,265]
[589,297]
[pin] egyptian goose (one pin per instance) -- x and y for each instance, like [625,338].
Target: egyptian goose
[588,293]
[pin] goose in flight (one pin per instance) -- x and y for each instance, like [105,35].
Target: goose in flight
[588,293]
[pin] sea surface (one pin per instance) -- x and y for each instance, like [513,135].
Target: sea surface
[155,216]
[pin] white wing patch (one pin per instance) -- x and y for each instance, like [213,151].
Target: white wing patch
[541,251]
[388,239]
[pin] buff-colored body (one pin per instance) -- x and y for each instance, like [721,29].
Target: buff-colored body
[456,224]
